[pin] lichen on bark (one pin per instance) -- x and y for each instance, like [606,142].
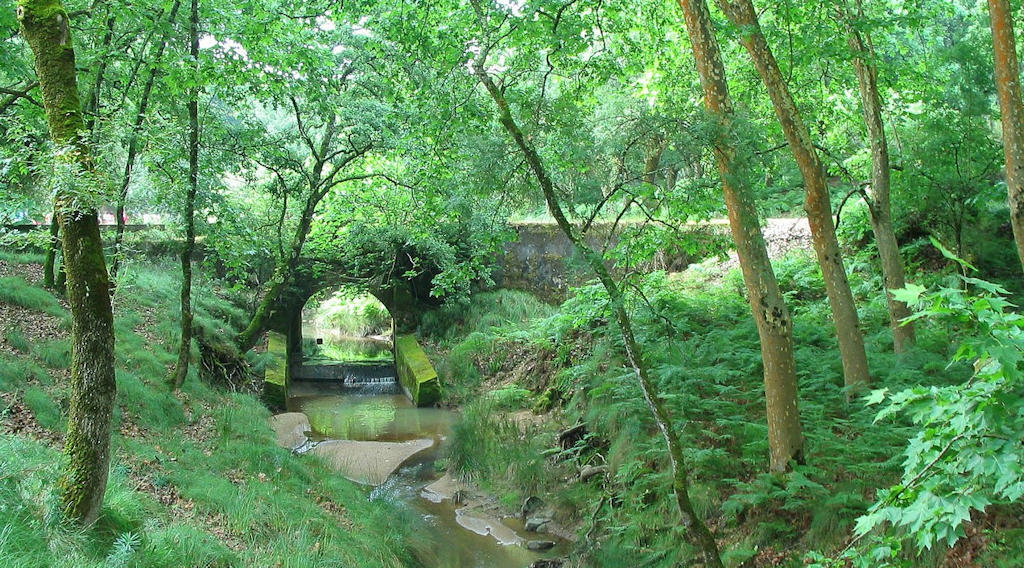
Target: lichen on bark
[83,481]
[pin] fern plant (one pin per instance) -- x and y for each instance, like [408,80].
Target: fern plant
[967,453]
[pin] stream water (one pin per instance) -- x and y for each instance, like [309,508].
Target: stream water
[335,413]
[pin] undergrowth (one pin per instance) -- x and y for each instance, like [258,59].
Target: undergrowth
[196,476]
[702,347]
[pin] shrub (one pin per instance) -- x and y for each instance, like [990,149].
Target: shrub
[967,452]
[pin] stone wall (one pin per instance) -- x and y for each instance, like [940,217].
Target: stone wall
[544,262]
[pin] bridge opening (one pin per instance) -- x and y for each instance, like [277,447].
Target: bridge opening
[347,345]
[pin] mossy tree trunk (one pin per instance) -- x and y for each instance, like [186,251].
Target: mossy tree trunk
[818,203]
[1011,113]
[45,26]
[696,530]
[774,324]
[879,202]
[185,347]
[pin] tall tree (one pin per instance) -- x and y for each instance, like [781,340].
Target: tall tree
[90,110]
[697,531]
[878,200]
[1012,110]
[185,347]
[817,204]
[774,324]
[46,28]
[328,157]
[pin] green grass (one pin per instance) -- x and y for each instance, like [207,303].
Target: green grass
[19,292]
[46,410]
[55,354]
[17,340]
[21,257]
[229,472]
[16,371]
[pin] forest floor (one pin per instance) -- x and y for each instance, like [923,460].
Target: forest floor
[196,478]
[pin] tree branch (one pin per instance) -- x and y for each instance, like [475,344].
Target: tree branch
[22,94]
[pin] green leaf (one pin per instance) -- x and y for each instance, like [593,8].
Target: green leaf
[876,396]
[908,295]
[949,254]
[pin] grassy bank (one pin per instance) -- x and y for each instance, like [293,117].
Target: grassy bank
[196,476]
[524,380]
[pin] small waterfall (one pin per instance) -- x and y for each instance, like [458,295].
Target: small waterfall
[349,377]
[360,383]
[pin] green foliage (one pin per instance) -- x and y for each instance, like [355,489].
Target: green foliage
[799,278]
[703,350]
[28,243]
[509,398]
[484,312]
[358,316]
[479,449]
[424,199]
[966,453]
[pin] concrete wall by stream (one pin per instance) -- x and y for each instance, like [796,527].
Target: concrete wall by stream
[417,376]
[544,262]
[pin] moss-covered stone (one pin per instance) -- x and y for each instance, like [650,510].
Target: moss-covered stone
[415,373]
[275,385]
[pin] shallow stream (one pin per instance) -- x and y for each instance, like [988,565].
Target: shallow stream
[393,418]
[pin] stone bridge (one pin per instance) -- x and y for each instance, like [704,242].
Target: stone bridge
[541,261]
[544,262]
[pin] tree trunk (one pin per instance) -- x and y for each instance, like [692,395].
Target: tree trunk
[133,145]
[45,25]
[319,185]
[185,347]
[92,104]
[652,158]
[774,325]
[696,531]
[1012,113]
[893,275]
[817,204]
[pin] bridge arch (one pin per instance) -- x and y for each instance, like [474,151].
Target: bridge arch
[405,300]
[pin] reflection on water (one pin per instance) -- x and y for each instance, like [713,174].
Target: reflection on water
[384,418]
[393,418]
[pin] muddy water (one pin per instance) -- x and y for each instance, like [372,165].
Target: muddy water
[393,418]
